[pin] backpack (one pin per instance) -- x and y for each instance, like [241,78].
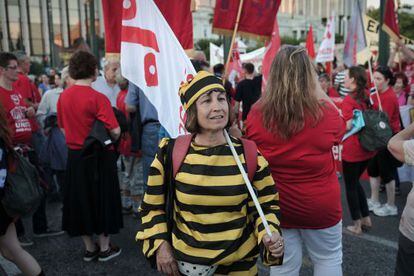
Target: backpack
[182,144]
[177,150]
[377,131]
[22,193]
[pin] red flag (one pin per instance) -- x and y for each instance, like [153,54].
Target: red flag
[390,25]
[271,50]
[309,43]
[112,12]
[176,12]
[256,19]
[179,17]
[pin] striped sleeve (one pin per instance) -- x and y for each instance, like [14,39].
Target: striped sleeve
[269,201]
[153,228]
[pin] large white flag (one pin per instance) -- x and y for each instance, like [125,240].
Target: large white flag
[153,59]
[327,47]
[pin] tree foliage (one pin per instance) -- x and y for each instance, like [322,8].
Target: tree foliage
[405,21]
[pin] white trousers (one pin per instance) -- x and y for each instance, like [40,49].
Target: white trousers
[324,247]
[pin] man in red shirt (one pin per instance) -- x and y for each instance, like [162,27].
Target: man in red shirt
[23,84]
[26,88]
[18,115]
[17,111]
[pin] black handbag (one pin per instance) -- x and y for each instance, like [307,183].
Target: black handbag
[22,193]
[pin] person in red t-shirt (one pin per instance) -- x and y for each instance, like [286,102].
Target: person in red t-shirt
[383,166]
[17,130]
[295,125]
[17,111]
[132,186]
[24,85]
[31,97]
[354,157]
[326,86]
[92,201]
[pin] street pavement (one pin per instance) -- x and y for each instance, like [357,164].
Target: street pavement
[372,253]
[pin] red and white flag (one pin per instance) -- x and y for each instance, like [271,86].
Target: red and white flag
[235,64]
[153,59]
[327,47]
[271,50]
[390,25]
[176,12]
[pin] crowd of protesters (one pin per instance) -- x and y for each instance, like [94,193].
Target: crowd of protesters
[99,147]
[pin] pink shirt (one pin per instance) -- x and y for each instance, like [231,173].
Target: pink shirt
[402,98]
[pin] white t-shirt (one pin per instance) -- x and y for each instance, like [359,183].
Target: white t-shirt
[102,86]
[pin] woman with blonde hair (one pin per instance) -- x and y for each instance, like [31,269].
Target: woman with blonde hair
[295,125]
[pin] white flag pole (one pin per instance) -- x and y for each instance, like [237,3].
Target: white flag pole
[248,184]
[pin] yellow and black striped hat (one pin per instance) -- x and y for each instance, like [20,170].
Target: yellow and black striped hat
[202,83]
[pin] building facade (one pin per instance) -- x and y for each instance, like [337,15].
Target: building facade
[47,29]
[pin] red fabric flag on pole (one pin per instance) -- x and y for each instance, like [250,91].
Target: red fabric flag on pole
[112,12]
[176,12]
[390,25]
[179,17]
[309,43]
[271,50]
[257,17]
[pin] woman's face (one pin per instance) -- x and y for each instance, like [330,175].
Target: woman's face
[348,82]
[324,84]
[380,81]
[212,111]
[399,85]
[58,81]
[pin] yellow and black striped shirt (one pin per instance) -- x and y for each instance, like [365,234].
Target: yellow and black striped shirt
[215,220]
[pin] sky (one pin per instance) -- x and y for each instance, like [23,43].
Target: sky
[376,3]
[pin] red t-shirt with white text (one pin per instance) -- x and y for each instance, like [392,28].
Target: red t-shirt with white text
[28,90]
[78,108]
[15,109]
[303,168]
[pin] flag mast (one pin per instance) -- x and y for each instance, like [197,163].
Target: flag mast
[369,59]
[233,38]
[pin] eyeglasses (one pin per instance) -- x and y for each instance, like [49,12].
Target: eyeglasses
[11,67]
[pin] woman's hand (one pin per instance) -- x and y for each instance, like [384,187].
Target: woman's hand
[234,130]
[165,260]
[275,244]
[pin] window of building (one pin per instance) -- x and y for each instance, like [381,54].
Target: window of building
[315,11]
[15,30]
[35,27]
[57,23]
[302,34]
[74,22]
[301,6]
